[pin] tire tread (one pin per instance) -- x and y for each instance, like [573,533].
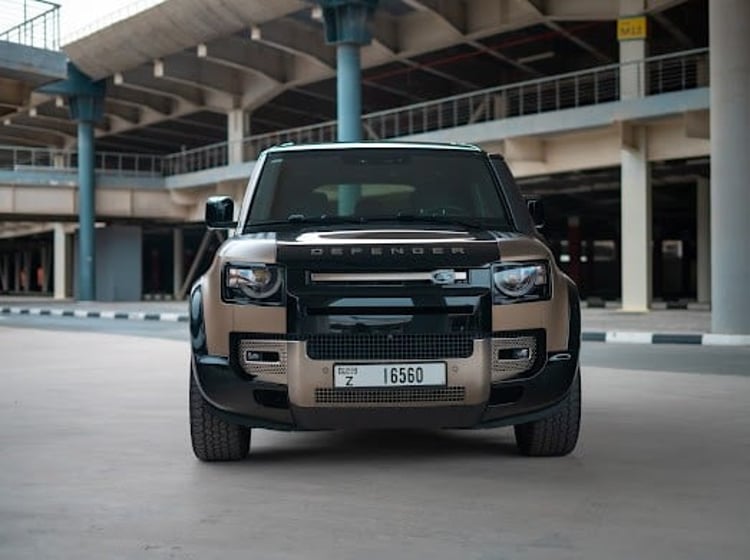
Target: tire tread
[555,435]
[213,438]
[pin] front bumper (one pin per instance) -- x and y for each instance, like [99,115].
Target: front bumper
[303,397]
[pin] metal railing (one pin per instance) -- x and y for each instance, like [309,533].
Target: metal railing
[18,158]
[39,23]
[658,74]
[655,75]
[205,157]
[593,86]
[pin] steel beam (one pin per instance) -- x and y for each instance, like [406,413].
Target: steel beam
[247,55]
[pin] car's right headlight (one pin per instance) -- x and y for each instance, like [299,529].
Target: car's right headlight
[253,283]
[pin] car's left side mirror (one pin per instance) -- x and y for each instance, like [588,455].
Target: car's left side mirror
[536,209]
[220,213]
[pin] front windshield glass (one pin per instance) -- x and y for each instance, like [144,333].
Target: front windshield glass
[370,184]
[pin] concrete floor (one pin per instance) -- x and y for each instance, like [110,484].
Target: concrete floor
[96,464]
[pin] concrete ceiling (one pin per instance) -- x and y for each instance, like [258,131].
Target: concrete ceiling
[180,66]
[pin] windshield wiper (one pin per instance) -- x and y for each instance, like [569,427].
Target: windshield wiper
[447,220]
[298,219]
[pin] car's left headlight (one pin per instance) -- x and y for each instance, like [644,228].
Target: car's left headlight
[253,283]
[521,281]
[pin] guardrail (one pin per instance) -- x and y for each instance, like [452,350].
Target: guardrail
[205,157]
[40,25]
[659,74]
[16,158]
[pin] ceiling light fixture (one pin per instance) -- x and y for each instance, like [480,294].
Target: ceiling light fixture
[535,57]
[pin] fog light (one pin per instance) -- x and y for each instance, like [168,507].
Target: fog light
[514,354]
[256,356]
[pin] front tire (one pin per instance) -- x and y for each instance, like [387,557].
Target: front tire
[213,438]
[555,435]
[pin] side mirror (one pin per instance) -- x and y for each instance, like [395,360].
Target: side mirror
[536,209]
[220,213]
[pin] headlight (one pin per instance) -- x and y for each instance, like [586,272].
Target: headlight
[521,281]
[253,283]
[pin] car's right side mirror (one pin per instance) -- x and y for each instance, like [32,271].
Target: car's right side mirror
[220,212]
[536,209]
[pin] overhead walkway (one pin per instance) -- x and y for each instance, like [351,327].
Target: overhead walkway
[29,58]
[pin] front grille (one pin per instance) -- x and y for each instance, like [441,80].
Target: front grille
[390,346]
[390,396]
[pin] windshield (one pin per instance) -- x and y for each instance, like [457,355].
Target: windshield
[376,184]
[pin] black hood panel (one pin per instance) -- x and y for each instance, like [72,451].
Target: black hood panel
[386,249]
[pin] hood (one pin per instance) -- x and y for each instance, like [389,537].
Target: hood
[387,248]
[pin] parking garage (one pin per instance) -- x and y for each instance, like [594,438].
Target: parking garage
[550,85]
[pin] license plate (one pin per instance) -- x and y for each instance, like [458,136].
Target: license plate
[389,375]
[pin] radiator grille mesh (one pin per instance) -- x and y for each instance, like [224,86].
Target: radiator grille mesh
[390,347]
[390,396]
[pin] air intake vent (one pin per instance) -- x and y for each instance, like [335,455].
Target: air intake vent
[512,356]
[262,357]
[390,396]
[390,347]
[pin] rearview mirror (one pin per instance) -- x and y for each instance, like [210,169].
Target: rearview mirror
[536,209]
[220,213]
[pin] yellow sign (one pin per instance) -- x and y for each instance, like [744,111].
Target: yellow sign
[631,28]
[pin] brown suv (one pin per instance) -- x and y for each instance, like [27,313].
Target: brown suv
[382,285]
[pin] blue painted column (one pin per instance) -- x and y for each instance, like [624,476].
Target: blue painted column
[349,92]
[347,26]
[86,212]
[86,102]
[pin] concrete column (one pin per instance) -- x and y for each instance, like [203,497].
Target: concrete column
[27,272]
[702,74]
[500,105]
[236,129]
[349,92]
[17,272]
[635,194]
[120,263]
[703,245]
[86,102]
[347,25]
[61,261]
[5,274]
[632,76]
[730,165]
[58,161]
[349,111]
[574,248]
[178,271]
[46,264]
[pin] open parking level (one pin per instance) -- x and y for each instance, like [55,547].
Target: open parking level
[96,464]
